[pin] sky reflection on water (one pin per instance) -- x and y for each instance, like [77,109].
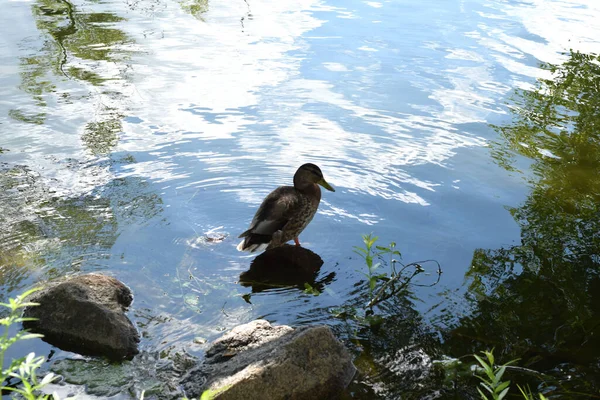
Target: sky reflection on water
[158,127]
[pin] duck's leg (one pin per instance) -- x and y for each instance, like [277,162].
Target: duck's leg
[296,241]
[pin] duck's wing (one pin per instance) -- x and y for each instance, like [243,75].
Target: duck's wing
[274,212]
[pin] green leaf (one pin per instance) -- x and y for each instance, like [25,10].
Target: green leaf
[481,362]
[487,387]
[360,249]
[372,283]
[525,395]
[22,305]
[308,289]
[17,390]
[28,292]
[483,396]
[23,319]
[503,393]
[486,367]
[30,336]
[47,379]
[502,386]
[490,356]
[499,372]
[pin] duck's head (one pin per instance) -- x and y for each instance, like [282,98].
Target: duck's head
[309,174]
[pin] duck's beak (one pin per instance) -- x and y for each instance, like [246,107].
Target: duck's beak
[326,185]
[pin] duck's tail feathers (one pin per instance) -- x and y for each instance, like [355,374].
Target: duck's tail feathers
[253,247]
[254,243]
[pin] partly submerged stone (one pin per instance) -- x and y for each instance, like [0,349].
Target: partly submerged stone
[260,361]
[86,315]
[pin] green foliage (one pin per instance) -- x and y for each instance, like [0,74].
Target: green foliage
[495,387]
[527,395]
[371,252]
[309,289]
[24,369]
[491,380]
[381,285]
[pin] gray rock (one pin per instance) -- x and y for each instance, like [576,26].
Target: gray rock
[85,314]
[264,362]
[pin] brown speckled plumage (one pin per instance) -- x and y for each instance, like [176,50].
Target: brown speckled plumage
[286,211]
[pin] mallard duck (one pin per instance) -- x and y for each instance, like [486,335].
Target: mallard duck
[286,211]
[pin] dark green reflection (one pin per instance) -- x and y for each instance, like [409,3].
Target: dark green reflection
[78,47]
[540,301]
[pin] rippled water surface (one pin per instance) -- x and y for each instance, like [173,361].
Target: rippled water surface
[139,136]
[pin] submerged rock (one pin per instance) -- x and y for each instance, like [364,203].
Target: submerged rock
[260,361]
[85,315]
[158,377]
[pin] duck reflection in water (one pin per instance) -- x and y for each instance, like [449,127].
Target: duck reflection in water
[285,266]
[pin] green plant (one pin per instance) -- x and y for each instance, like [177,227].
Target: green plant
[370,253]
[492,381]
[23,369]
[309,289]
[385,285]
[491,376]
[527,395]
[381,285]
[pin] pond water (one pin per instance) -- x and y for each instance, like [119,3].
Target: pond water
[140,136]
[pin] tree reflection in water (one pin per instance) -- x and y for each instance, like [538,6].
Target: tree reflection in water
[540,301]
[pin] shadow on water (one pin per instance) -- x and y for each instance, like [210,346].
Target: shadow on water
[285,266]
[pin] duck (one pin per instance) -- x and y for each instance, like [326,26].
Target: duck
[286,211]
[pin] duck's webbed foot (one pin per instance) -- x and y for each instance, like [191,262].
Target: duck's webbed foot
[297,241]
